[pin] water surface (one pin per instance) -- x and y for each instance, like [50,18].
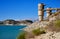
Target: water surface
[10,32]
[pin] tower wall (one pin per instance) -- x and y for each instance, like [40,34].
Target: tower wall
[48,10]
[40,11]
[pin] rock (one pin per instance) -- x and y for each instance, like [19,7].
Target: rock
[36,25]
[48,35]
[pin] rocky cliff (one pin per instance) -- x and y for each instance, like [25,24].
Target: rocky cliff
[50,34]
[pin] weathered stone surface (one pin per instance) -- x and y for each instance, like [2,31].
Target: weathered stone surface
[36,25]
[48,35]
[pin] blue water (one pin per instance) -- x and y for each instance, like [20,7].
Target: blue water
[10,32]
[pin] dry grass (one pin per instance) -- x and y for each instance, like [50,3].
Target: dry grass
[54,26]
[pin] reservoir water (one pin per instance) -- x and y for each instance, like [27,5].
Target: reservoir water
[10,32]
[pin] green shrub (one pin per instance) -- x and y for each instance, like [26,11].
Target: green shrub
[38,31]
[57,24]
[21,36]
[54,26]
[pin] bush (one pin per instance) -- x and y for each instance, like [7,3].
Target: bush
[57,24]
[21,36]
[38,31]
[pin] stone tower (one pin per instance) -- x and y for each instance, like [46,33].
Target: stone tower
[41,11]
[48,10]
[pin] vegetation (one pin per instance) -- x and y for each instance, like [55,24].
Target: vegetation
[54,26]
[21,36]
[38,31]
[57,25]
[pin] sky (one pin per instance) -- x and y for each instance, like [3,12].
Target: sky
[24,9]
